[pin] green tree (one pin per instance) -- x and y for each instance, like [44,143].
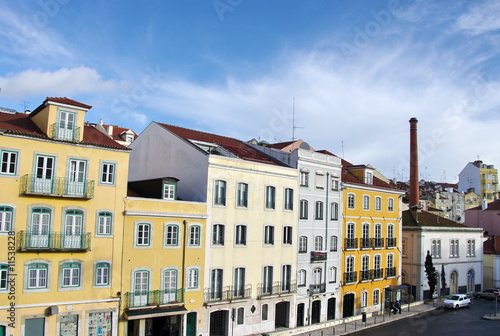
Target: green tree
[443,280]
[430,271]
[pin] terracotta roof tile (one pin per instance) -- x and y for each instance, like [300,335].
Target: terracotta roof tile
[493,206]
[349,177]
[424,218]
[117,131]
[64,100]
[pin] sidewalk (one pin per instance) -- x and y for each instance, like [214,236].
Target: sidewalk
[354,323]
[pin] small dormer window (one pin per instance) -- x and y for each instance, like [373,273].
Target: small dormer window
[65,129]
[169,191]
[368,177]
[129,138]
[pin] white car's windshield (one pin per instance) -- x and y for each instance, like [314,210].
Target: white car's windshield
[454,297]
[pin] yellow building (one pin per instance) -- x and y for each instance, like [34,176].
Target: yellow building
[163,262]
[372,241]
[62,185]
[479,178]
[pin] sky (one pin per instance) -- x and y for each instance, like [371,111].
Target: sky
[342,75]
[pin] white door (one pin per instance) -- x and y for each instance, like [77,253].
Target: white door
[170,286]
[73,229]
[141,289]
[66,126]
[44,175]
[76,178]
[39,233]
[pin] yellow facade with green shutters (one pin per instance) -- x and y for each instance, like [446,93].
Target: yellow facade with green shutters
[371,246]
[163,265]
[61,215]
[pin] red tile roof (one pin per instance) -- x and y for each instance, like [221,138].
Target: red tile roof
[64,100]
[117,130]
[493,206]
[280,145]
[236,147]
[349,177]
[423,218]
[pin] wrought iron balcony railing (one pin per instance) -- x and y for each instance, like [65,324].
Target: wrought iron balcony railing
[241,293]
[64,131]
[277,288]
[350,243]
[377,242]
[317,288]
[53,241]
[350,277]
[318,256]
[378,273]
[57,186]
[154,298]
[365,243]
[390,272]
[365,275]
[391,242]
[217,294]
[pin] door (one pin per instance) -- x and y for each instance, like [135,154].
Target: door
[191,324]
[316,312]
[40,226]
[141,289]
[73,229]
[34,327]
[76,178]
[170,286]
[68,325]
[300,314]
[219,323]
[330,313]
[44,175]
[282,312]
[66,126]
[348,305]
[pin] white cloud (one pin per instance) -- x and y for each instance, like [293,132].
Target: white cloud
[62,82]
[481,18]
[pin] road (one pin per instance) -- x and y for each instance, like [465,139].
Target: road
[465,321]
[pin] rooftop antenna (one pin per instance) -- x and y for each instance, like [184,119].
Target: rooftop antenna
[342,145]
[25,104]
[293,121]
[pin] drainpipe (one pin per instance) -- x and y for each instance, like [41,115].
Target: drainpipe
[183,271]
[326,225]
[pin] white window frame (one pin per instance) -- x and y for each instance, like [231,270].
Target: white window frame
[172,235]
[390,204]
[73,273]
[169,191]
[303,244]
[334,211]
[351,201]
[378,203]
[218,234]
[102,274]
[304,204]
[194,235]
[143,236]
[9,162]
[6,219]
[269,235]
[108,173]
[366,202]
[240,235]
[242,195]
[270,198]
[220,191]
[288,199]
[304,179]
[318,213]
[104,223]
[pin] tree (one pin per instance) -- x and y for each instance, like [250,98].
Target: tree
[443,279]
[430,271]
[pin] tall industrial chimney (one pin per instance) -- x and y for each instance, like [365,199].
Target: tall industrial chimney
[414,183]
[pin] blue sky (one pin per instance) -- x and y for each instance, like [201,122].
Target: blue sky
[354,72]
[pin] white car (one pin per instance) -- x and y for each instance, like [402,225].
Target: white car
[456,301]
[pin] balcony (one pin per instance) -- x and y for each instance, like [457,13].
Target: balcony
[217,295]
[318,256]
[365,275]
[390,272]
[365,243]
[391,242]
[64,131]
[317,288]
[53,241]
[351,243]
[58,187]
[377,242]
[350,277]
[278,288]
[378,273]
[154,298]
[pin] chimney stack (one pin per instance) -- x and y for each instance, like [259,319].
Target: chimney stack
[414,183]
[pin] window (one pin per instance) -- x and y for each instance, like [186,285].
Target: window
[365,265]
[265,309]
[335,211]
[242,196]
[335,184]
[267,280]
[302,278]
[141,287]
[193,278]
[216,283]
[390,260]
[170,285]
[40,227]
[304,179]
[350,240]
[349,269]
[318,243]
[333,243]
[143,234]
[218,234]
[319,210]
[376,267]
[270,197]
[369,178]
[171,235]
[317,276]
[194,235]
[287,235]
[220,192]
[471,247]
[303,209]
[65,126]
[378,236]
[169,191]
[37,275]
[104,223]
[390,204]
[286,278]
[241,235]
[436,248]
[240,316]
[102,274]
[391,241]
[376,296]
[4,275]
[288,199]
[320,181]
[366,202]
[454,248]
[378,203]
[332,274]
[8,162]
[44,169]
[364,299]
[71,275]
[5,218]
[108,171]
[365,240]
[350,201]
[302,244]
[269,235]
[239,282]
[404,248]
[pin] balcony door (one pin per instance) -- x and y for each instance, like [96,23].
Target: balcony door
[40,228]
[76,177]
[66,127]
[72,236]
[170,286]
[44,174]
[141,288]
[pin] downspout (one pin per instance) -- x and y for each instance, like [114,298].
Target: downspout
[326,226]
[183,274]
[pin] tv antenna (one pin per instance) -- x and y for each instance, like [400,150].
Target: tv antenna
[25,104]
[293,121]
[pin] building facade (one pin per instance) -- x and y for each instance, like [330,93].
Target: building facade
[480,178]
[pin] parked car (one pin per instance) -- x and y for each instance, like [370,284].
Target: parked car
[486,294]
[456,301]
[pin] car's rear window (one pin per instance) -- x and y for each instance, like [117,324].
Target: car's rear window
[454,297]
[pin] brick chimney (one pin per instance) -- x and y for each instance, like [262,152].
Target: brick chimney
[414,183]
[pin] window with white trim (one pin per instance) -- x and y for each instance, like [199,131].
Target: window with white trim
[303,209]
[318,243]
[104,223]
[332,274]
[220,192]
[454,248]
[350,201]
[71,273]
[320,181]
[333,243]
[366,202]
[108,171]
[37,276]
[369,177]
[287,235]
[364,299]
[378,203]
[288,199]
[376,297]
[193,278]
[241,235]
[471,247]
[269,235]
[102,272]
[218,231]
[304,179]
[169,190]
[302,244]
[171,235]
[335,184]
[6,216]
[143,234]
[194,235]
[270,197]
[4,276]
[319,210]
[436,248]
[334,211]
[242,195]
[390,204]
[301,278]
[8,162]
